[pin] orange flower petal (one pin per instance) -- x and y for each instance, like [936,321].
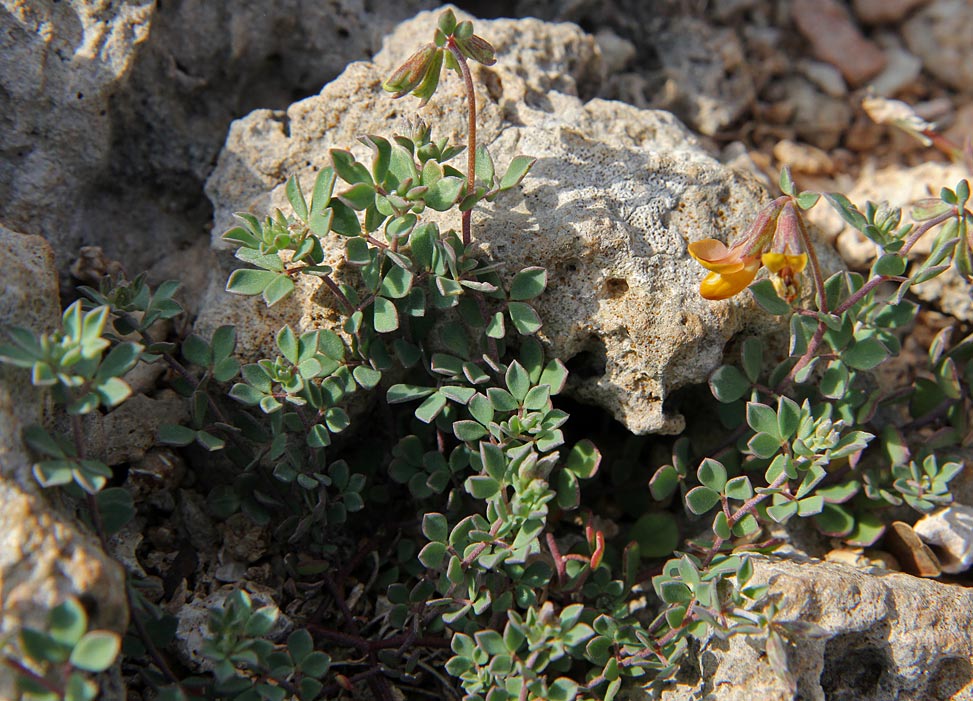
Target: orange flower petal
[724,285]
[714,255]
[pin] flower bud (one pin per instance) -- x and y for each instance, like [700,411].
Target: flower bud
[411,73]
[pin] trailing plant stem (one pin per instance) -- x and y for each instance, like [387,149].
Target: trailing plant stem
[471,140]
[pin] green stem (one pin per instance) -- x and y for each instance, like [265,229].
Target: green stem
[471,140]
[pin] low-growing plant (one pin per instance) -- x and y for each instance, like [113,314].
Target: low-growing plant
[498,572]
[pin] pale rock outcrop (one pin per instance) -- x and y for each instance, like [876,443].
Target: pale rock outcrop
[614,198]
[867,636]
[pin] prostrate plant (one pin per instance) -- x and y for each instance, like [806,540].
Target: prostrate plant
[58,663]
[506,566]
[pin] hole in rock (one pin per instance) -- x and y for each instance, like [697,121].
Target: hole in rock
[591,362]
[854,665]
[616,287]
[950,676]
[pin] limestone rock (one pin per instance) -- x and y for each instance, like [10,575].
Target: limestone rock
[940,34]
[608,209]
[44,556]
[877,637]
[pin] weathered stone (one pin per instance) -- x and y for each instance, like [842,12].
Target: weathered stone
[951,529]
[940,35]
[608,209]
[875,638]
[45,556]
[834,38]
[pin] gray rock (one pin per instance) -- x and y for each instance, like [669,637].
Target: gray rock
[707,81]
[45,556]
[818,119]
[855,636]
[115,111]
[608,209]
[940,34]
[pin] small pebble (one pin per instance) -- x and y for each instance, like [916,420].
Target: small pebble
[901,70]
[803,157]
[835,39]
[825,76]
[884,11]
[914,555]
[951,530]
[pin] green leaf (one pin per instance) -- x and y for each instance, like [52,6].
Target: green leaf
[739,488]
[359,197]
[349,169]
[699,500]
[834,381]
[296,197]
[344,221]
[482,487]
[834,520]
[584,459]
[656,533]
[430,409]
[788,418]
[721,526]
[712,474]
[278,289]
[783,511]
[765,295]
[728,384]
[435,527]
[484,166]
[385,316]
[400,393]
[316,664]
[432,554]
[664,482]
[68,623]
[517,381]
[524,318]
[528,283]
[247,281]
[96,651]
[469,431]
[116,508]
[516,171]
[764,445]
[119,360]
[762,418]
[443,193]
[865,354]
[397,283]
[366,376]
[752,358]
[288,345]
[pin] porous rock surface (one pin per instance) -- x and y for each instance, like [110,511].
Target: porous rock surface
[856,636]
[44,555]
[608,209]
